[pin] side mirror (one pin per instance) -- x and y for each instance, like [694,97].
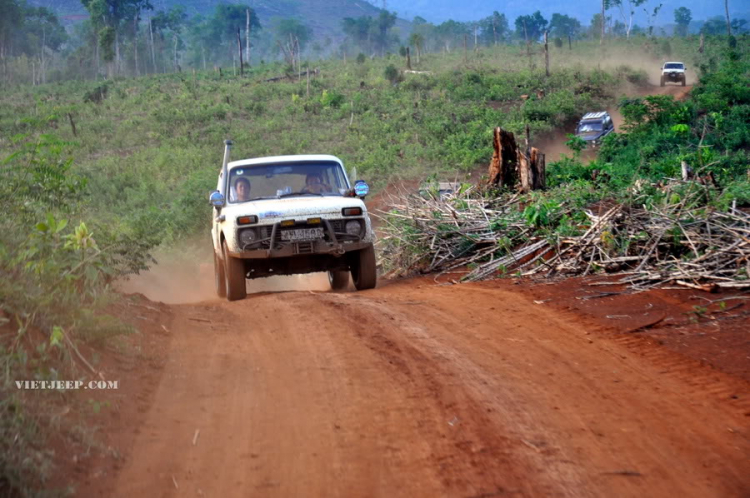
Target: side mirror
[217,199]
[361,189]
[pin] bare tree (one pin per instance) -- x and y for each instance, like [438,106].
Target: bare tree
[239,50]
[247,38]
[729,25]
[153,54]
[546,55]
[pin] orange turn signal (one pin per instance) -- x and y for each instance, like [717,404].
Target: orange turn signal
[247,220]
[287,223]
[314,221]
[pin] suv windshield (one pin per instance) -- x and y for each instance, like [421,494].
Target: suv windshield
[272,181]
[588,126]
[673,66]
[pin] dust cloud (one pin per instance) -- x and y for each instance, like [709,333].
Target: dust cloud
[186,275]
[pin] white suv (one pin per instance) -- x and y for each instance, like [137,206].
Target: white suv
[286,215]
[673,72]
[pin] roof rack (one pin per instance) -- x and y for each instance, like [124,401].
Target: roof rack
[594,115]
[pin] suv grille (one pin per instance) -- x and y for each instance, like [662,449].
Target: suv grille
[339,228]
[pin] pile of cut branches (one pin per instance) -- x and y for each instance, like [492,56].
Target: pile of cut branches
[485,235]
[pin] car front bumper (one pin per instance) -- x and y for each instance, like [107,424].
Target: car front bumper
[334,243]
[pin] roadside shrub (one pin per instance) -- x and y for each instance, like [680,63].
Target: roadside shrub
[392,74]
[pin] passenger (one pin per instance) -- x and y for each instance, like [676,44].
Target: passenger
[314,184]
[242,188]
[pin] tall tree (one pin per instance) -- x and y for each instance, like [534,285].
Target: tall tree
[11,16]
[358,30]
[652,17]
[168,27]
[286,28]
[531,27]
[113,15]
[595,29]
[493,29]
[223,26]
[450,33]
[41,31]
[385,21]
[416,40]
[563,26]
[682,18]
[626,15]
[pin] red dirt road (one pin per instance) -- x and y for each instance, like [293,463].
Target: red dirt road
[415,389]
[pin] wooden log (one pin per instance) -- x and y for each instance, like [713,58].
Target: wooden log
[532,170]
[687,173]
[524,172]
[540,171]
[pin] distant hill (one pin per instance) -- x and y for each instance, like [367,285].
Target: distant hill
[437,11]
[323,16]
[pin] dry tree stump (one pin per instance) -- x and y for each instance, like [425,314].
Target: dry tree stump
[509,164]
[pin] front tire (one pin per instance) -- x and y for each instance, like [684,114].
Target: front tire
[364,272]
[339,279]
[684,81]
[661,81]
[234,272]
[219,277]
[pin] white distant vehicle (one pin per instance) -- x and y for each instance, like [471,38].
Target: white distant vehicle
[288,215]
[673,72]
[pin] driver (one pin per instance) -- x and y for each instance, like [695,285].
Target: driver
[314,184]
[242,188]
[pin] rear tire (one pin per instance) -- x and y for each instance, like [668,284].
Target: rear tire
[339,279]
[234,272]
[364,272]
[219,278]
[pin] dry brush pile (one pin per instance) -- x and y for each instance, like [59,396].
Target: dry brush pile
[483,234]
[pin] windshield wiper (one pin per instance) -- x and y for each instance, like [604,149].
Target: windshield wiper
[299,193]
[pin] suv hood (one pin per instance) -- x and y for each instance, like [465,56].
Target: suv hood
[673,70]
[272,210]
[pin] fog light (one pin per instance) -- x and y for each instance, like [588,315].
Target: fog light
[247,236]
[353,227]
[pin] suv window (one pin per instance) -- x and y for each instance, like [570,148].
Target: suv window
[591,126]
[674,66]
[271,181]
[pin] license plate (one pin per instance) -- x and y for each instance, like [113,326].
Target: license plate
[302,234]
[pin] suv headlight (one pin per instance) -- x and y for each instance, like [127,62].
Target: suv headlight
[248,236]
[353,227]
